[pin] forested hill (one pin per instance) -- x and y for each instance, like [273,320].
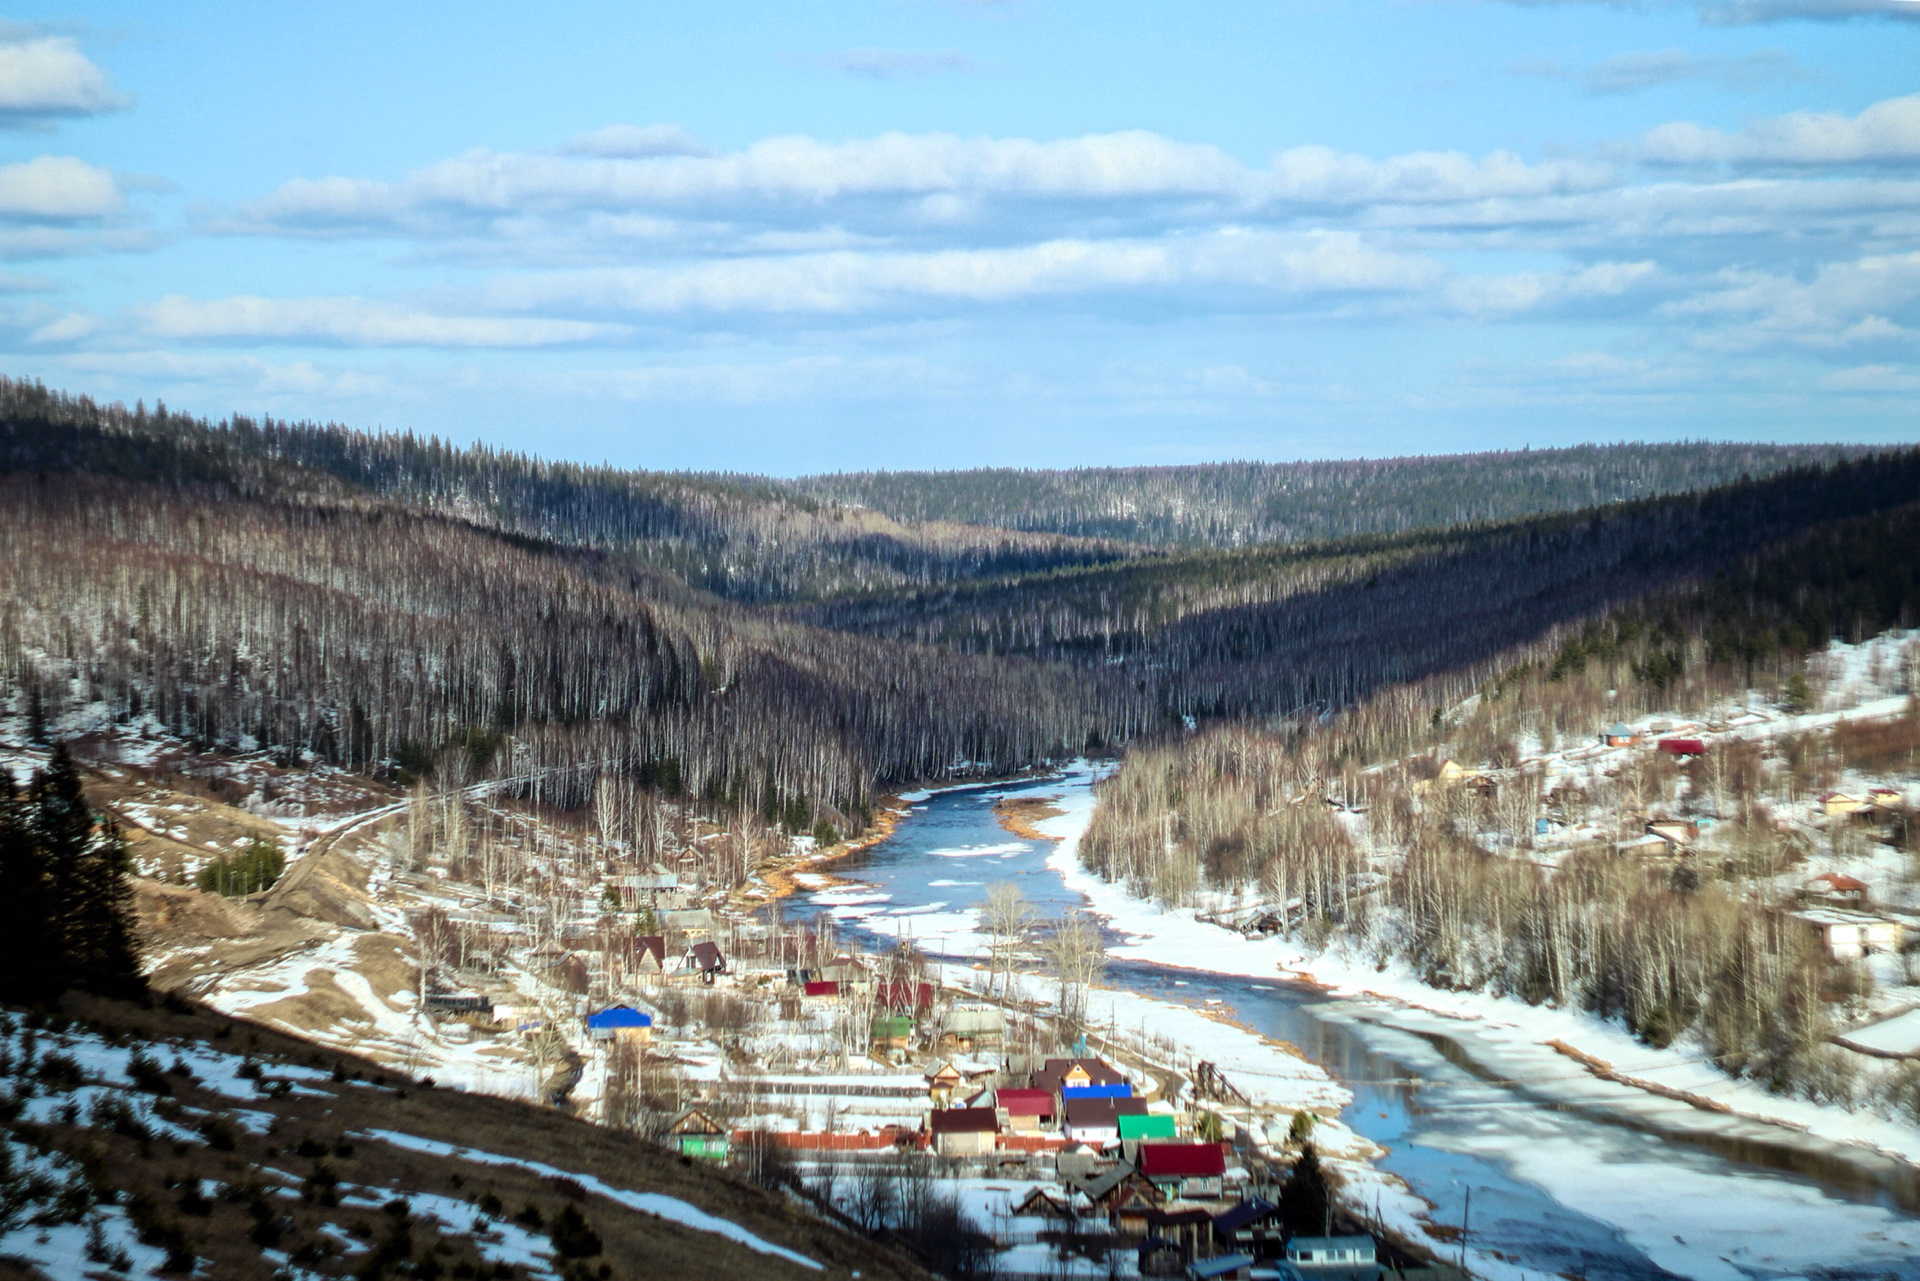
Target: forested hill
[392,605]
[744,538]
[1242,503]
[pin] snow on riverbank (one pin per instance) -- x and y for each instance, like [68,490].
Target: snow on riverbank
[1785,1226]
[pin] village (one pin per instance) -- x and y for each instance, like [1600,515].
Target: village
[632,965]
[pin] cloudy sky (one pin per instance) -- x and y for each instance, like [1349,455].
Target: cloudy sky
[962,232]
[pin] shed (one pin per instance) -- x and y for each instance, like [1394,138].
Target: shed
[621,1023]
[1620,734]
[695,1133]
[892,1031]
[963,1131]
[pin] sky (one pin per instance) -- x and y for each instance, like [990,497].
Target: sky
[950,233]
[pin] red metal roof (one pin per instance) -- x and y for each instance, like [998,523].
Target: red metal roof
[1683,746]
[1182,1160]
[821,989]
[1025,1102]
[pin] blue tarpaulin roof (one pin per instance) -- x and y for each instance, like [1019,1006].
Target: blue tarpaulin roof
[619,1016]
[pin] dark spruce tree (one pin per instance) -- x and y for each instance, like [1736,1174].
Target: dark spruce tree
[32,966]
[87,939]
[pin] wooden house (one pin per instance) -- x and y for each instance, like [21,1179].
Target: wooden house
[892,1032]
[704,958]
[942,1082]
[1620,734]
[650,956]
[969,1028]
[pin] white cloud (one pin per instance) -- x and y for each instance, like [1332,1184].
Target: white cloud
[71,327]
[1872,378]
[847,281]
[58,188]
[1885,132]
[354,322]
[1321,175]
[51,77]
[1531,291]
[1842,304]
[636,142]
[936,178]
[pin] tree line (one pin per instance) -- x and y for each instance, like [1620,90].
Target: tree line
[66,908]
[1242,504]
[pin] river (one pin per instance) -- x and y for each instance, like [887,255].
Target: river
[1563,1177]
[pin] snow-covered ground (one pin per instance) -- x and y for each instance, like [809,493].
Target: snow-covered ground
[1789,1226]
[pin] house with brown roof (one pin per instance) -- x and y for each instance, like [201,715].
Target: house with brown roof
[963,1131]
[650,955]
[1097,1121]
[704,958]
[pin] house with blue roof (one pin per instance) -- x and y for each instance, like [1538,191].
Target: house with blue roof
[620,1023]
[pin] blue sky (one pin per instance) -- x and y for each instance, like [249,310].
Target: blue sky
[924,233]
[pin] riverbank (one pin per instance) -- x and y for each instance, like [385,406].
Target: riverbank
[1514,1046]
[775,880]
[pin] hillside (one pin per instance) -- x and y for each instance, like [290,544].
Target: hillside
[171,1139]
[1242,504]
[1270,631]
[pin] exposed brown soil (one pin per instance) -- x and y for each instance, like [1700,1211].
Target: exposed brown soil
[1022,815]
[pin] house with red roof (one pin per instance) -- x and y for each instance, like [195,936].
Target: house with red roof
[1028,1111]
[1195,1171]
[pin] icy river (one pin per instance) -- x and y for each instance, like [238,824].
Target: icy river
[1566,1175]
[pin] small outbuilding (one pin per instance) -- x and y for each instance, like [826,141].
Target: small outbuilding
[1620,734]
[696,1134]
